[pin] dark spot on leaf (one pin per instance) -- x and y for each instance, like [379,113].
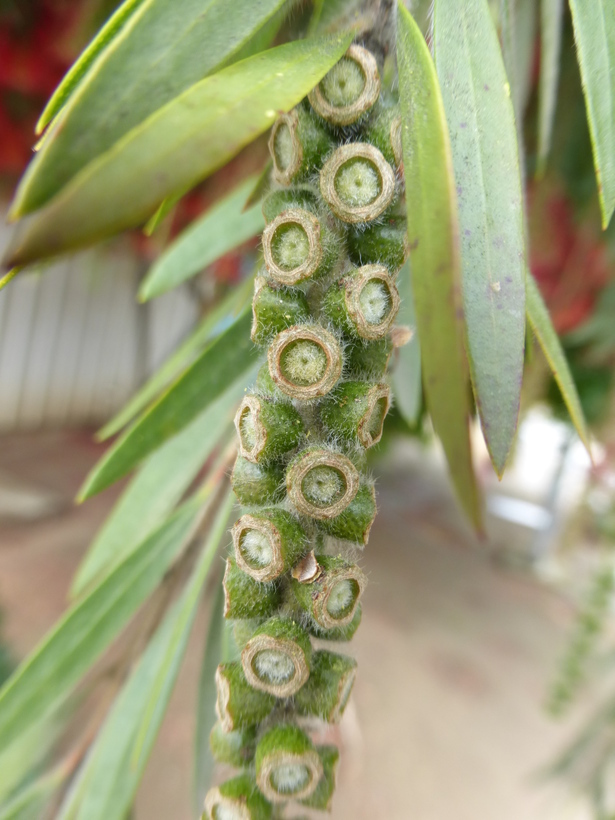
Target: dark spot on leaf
[486,87]
[463,124]
[467,232]
[414,245]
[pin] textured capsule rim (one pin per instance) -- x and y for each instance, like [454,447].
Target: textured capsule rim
[396,143]
[215,798]
[321,458]
[310,224]
[361,213]
[276,567]
[270,762]
[312,333]
[253,405]
[347,114]
[260,643]
[223,696]
[346,682]
[377,392]
[291,120]
[320,598]
[353,286]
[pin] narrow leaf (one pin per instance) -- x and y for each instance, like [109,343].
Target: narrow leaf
[539,318]
[222,228]
[88,627]
[29,802]
[106,786]
[80,68]
[176,147]
[481,122]
[163,210]
[519,23]
[161,49]
[406,377]
[217,320]
[157,488]
[228,356]
[551,21]
[594,33]
[434,256]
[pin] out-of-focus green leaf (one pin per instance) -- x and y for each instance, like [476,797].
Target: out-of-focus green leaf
[163,210]
[175,147]
[26,755]
[434,256]
[594,33]
[162,48]
[406,377]
[539,318]
[217,320]
[220,364]
[29,802]
[107,784]
[80,68]
[519,18]
[88,627]
[157,488]
[261,186]
[551,21]
[481,124]
[222,228]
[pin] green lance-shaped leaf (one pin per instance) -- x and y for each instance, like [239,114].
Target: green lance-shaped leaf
[178,145]
[551,21]
[217,232]
[107,784]
[29,802]
[518,20]
[406,376]
[88,627]
[481,122]
[434,256]
[220,364]
[539,319]
[215,322]
[594,33]
[157,488]
[160,50]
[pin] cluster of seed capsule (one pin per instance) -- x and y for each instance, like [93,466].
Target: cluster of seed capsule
[324,306]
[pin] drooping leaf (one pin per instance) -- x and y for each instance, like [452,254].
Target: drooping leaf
[481,123]
[217,320]
[221,363]
[161,49]
[175,147]
[594,33]
[29,802]
[80,68]
[539,318]
[223,227]
[88,627]
[434,256]
[406,377]
[107,784]
[157,488]
[551,21]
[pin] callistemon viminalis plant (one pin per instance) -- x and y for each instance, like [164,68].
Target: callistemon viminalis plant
[324,306]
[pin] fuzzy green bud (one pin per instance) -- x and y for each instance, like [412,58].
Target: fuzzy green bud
[256,484]
[239,705]
[297,144]
[367,360]
[332,595]
[276,659]
[322,796]
[363,303]
[265,386]
[297,246]
[384,131]
[355,522]
[349,90]
[268,543]
[327,692]
[305,361]
[357,183]
[234,748]
[266,429]
[287,764]
[246,598]
[275,309]
[384,243]
[237,799]
[356,411]
[297,197]
[321,483]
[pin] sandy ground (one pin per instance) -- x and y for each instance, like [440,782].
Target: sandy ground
[455,653]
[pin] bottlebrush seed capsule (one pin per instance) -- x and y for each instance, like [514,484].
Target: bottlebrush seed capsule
[349,90]
[237,799]
[355,522]
[328,690]
[267,429]
[367,361]
[238,704]
[385,133]
[384,243]
[323,794]
[356,411]
[235,748]
[246,598]
[292,247]
[305,361]
[256,484]
[297,197]
[287,764]
[268,543]
[276,659]
[337,633]
[332,596]
[297,144]
[321,483]
[274,310]
[357,182]
[364,303]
